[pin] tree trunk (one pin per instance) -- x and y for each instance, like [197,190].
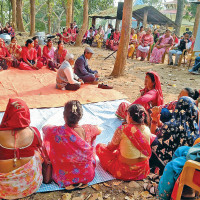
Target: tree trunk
[145,19]
[2,15]
[196,23]
[72,10]
[179,16]
[13,4]
[69,13]
[84,25]
[124,40]
[32,17]
[49,16]
[19,21]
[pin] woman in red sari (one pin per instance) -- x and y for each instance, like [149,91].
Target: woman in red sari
[5,58]
[37,47]
[72,32]
[70,148]
[151,95]
[15,50]
[48,54]
[115,42]
[59,54]
[127,156]
[29,59]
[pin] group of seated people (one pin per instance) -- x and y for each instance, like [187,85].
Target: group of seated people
[142,42]
[30,56]
[68,36]
[153,135]
[68,80]
[7,29]
[145,42]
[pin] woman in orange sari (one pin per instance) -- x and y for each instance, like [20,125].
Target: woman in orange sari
[127,156]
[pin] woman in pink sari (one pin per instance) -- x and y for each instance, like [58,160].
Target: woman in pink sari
[15,51]
[59,54]
[144,45]
[163,45]
[48,54]
[70,148]
[127,156]
[151,95]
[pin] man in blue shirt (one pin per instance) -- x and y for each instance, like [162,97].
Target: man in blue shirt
[82,70]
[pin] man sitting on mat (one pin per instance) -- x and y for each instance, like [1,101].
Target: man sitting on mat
[82,70]
[66,79]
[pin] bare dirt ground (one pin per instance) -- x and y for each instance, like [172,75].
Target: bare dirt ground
[173,79]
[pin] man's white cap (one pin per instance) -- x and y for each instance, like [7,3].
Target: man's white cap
[89,50]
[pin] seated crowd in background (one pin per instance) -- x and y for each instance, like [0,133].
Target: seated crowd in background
[7,29]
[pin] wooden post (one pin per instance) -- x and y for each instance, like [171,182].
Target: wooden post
[124,40]
[145,18]
[93,21]
[117,24]
[138,24]
[196,23]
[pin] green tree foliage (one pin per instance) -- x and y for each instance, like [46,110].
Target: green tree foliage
[98,5]
[155,3]
[58,12]
[190,11]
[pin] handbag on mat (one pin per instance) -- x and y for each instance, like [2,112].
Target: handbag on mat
[47,165]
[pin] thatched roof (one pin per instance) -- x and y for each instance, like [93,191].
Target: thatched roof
[154,16]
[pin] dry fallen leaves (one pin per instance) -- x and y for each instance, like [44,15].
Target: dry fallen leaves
[96,196]
[145,194]
[117,182]
[134,184]
[107,185]
[96,187]
[66,196]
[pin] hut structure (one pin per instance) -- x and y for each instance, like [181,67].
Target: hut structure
[142,13]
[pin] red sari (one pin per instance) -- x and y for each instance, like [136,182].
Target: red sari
[3,54]
[72,157]
[29,56]
[110,158]
[148,98]
[115,42]
[72,32]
